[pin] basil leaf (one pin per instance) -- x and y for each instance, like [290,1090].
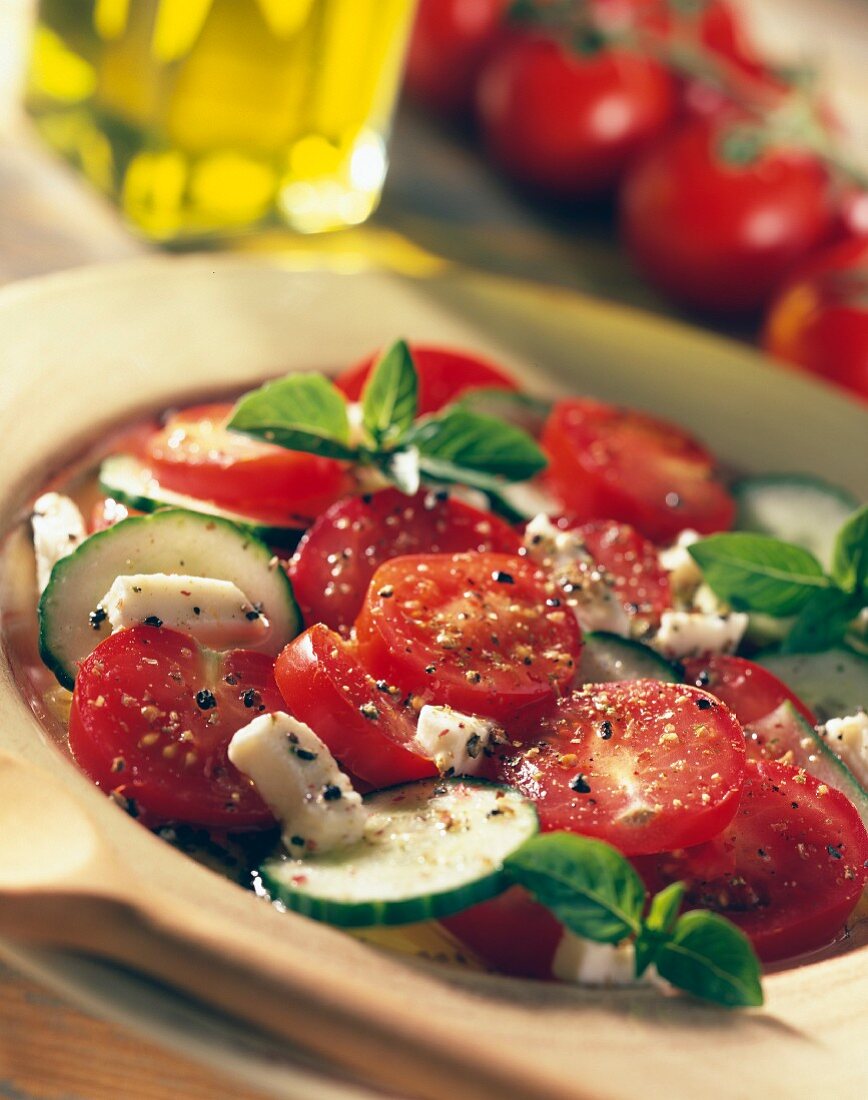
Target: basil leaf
[712,959]
[588,885]
[302,412]
[850,556]
[470,441]
[391,396]
[520,409]
[759,573]
[822,622]
[658,925]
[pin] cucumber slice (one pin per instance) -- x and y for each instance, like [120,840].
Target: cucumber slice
[795,508]
[607,658]
[125,479]
[432,848]
[785,731]
[169,541]
[831,684]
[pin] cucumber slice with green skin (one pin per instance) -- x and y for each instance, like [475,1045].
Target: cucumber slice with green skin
[609,658]
[169,541]
[127,480]
[831,684]
[431,848]
[794,508]
[785,731]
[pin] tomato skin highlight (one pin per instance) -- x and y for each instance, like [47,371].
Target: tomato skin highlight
[750,691]
[819,320]
[137,729]
[612,463]
[717,236]
[646,766]
[444,374]
[365,726]
[797,852]
[195,454]
[473,631]
[336,559]
[511,933]
[565,124]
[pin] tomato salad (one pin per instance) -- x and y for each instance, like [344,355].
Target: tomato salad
[533,669]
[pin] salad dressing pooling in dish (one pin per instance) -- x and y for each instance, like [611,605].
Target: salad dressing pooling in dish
[438,650]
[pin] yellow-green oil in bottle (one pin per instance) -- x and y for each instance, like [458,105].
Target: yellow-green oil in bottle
[210,117]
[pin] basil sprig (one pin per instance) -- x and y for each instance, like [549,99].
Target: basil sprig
[305,412]
[759,573]
[597,894]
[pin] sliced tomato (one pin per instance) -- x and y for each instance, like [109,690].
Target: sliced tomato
[512,933]
[444,374]
[338,556]
[152,717]
[646,766]
[788,870]
[632,561]
[195,454]
[613,463]
[363,721]
[484,633]
[749,690]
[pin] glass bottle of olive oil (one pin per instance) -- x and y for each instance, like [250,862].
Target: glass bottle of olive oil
[210,117]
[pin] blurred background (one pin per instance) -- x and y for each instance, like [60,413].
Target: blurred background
[705,159]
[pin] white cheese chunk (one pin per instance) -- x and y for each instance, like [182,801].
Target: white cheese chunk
[695,634]
[216,613]
[454,741]
[848,738]
[588,590]
[300,781]
[685,576]
[588,963]
[58,528]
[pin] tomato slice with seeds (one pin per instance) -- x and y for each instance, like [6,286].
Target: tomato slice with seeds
[646,765]
[364,722]
[444,374]
[338,556]
[483,633]
[152,716]
[748,689]
[613,463]
[796,852]
[195,454]
[632,561]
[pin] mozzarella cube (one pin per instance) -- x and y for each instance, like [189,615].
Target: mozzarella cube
[587,963]
[58,528]
[214,612]
[695,634]
[301,783]
[454,741]
[685,576]
[848,738]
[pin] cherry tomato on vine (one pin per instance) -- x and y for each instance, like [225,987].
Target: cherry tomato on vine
[716,221]
[567,124]
[152,716]
[195,454]
[819,321]
[611,463]
[443,376]
[448,45]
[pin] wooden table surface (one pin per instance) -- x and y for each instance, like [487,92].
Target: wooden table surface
[440,198]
